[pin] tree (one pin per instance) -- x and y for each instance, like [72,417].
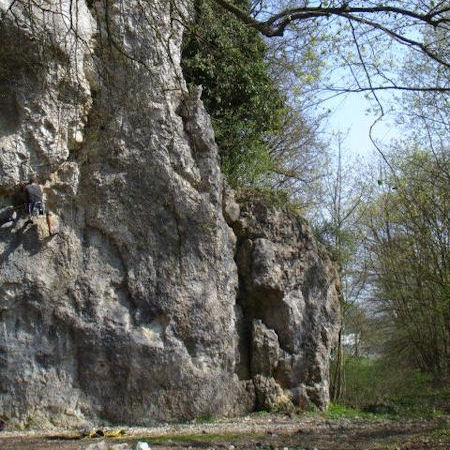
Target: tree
[299,158]
[228,60]
[426,113]
[366,24]
[364,46]
[338,227]
[266,139]
[409,248]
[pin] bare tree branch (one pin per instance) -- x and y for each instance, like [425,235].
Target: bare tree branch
[277,23]
[388,88]
[375,17]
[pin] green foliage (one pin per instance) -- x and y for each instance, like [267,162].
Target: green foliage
[339,411]
[379,387]
[209,418]
[226,57]
[410,255]
[372,381]
[341,243]
[269,197]
[442,434]
[200,439]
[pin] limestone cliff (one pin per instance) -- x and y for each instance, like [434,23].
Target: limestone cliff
[158,299]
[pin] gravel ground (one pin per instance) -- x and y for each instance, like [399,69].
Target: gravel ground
[254,431]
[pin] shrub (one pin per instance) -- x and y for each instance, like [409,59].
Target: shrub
[227,58]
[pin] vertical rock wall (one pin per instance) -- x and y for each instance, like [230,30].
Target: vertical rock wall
[131,313]
[288,307]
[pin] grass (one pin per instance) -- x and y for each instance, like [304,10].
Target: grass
[442,434]
[377,387]
[205,419]
[336,411]
[425,406]
[202,437]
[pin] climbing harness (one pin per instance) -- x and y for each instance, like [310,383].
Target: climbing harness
[35,208]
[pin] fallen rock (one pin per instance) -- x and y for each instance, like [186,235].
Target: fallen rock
[142,446]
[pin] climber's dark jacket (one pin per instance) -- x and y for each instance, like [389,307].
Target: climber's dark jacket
[33,193]
[33,197]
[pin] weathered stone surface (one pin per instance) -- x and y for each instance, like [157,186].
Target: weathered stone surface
[45,97]
[289,305]
[231,209]
[269,395]
[131,314]
[128,314]
[266,350]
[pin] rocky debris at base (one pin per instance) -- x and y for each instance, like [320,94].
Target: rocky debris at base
[103,445]
[142,446]
[261,431]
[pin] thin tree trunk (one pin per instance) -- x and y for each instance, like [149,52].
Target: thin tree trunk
[337,386]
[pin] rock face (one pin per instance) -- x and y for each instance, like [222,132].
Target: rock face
[288,307]
[135,311]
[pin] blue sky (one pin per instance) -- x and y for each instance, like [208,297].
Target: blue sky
[348,114]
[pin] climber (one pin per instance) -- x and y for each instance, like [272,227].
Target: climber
[35,203]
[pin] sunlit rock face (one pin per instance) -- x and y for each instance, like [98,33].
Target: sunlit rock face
[142,308]
[289,307]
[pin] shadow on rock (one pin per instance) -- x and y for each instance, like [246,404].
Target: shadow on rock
[26,235]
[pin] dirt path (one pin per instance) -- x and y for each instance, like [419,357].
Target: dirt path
[254,431]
